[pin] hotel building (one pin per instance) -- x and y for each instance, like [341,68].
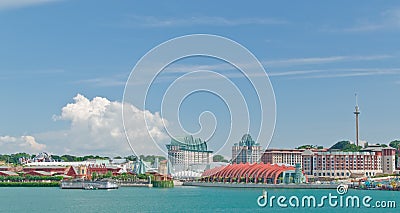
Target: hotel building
[335,164]
[282,156]
[246,151]
[398,162]
[188,153]
[370,161]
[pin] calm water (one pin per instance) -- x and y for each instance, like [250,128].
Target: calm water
[178,199]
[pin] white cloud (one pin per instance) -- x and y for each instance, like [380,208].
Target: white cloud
[9,4]
[96,128]
[152,21]
[109,81]
[172,71]
[354,72]
[26,143]
[386,20]
[324,60]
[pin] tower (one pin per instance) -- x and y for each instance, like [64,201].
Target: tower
[357,112]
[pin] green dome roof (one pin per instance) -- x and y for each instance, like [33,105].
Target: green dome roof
[189,143]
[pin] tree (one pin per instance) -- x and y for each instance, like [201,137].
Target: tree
[219,158]
[68,158]
[94,176]
[131,158]
[151,158]
[56,157]
[14,158]
[142,176]
[346,146]
[395,144]
[108,175]
[307,147]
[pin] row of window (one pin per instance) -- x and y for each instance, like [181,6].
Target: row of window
[337,174]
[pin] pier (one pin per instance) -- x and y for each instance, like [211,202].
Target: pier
[270,186]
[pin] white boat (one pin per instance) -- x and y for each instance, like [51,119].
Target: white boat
[89,185]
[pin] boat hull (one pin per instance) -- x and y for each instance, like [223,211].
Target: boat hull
[88,184]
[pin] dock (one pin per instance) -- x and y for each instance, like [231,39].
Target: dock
[149,185]
[256,185]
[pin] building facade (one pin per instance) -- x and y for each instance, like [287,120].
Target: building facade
[398,162]
[188,153]
[388,160]
[334,164]
[246,151]
[282,156]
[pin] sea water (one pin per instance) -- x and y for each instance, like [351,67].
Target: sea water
[178,199]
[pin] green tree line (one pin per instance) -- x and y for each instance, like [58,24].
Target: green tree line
[30,178]
[14,158]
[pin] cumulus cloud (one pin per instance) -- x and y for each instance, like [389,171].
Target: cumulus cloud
[96,128]
[27,143]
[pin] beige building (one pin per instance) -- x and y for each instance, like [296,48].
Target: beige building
[389,160]
[333,164]
[282,156]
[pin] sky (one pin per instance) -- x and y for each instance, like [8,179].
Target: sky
[64,65]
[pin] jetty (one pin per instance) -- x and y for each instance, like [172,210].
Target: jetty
[258,185]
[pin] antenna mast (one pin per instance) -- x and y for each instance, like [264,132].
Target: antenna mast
[357,113]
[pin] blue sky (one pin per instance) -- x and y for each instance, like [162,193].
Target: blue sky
[317,54]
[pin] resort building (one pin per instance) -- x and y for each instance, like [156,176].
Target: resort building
[398,162]
[388,160]
[255,173]
[44,170]
[336,164]
[8,173]
[282,156]
[188,153]
[246,151]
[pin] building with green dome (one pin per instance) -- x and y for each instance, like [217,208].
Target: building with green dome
[246,151]
[188,153]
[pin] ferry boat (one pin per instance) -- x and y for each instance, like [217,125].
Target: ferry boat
[85,184]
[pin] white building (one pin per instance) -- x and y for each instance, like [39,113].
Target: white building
[188,153]
[246,151]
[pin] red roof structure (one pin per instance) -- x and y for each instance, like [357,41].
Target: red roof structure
[248,173]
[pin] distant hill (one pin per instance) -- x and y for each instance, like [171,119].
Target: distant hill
[345,146]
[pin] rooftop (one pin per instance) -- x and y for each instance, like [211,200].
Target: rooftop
[247,141]
[189,143]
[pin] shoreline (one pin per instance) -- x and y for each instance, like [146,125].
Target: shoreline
[270,186]
[29,184]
